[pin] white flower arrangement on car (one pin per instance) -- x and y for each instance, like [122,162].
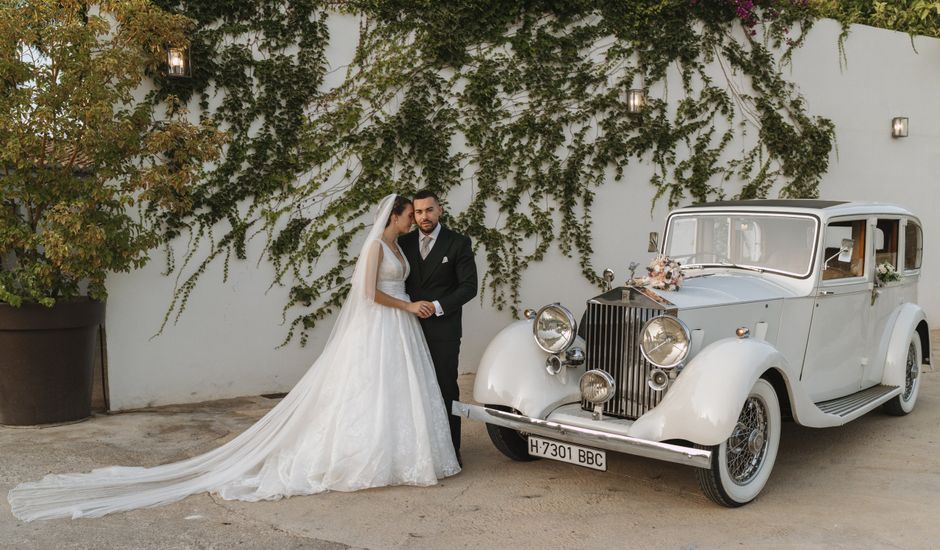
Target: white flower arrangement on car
[664,274]
[886,273]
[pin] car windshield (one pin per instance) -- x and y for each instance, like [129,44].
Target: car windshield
[771,242]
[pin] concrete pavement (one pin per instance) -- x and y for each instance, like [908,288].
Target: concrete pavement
[872,483]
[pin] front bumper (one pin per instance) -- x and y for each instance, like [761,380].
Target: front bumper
[688,456]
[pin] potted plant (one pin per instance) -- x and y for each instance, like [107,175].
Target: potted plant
[78,151]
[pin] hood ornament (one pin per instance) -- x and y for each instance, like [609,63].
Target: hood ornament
[632,281]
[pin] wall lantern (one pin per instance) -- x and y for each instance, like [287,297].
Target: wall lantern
[636,100]
[899,126]
[177,62]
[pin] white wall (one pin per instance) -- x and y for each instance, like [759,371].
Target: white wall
[224,344]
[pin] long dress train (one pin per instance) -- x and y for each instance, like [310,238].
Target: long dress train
[368,413]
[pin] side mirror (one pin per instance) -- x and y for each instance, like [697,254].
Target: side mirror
[845,253]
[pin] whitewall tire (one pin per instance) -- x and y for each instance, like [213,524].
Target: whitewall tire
[741,465]
[904,403]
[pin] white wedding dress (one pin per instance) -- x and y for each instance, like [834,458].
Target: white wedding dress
[368,413]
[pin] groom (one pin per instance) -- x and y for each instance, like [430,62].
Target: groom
[443,271]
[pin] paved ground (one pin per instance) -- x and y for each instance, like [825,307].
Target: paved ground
[872,483]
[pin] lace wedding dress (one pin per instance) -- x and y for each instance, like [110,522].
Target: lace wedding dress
[368,413]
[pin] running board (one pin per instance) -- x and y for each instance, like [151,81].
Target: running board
[852,406]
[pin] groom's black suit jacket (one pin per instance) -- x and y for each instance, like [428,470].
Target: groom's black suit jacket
[448,275]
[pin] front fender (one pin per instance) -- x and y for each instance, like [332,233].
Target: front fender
[905,326]
[512,373]
[704,402]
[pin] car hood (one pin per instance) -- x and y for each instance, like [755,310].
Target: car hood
[724,288]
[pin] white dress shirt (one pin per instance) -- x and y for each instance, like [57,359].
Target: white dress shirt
[434,234]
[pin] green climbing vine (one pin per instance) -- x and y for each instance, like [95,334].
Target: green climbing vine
[915,17]
[522,102]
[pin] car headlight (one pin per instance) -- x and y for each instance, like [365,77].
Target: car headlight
[554,328]
[597,387]
[664,341]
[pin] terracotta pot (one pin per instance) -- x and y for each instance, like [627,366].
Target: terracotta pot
[47,358]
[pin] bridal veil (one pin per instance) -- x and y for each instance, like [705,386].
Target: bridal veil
[367,413]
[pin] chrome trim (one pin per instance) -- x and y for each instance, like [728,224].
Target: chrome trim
[661,376]
[685,330]
[648,292]
[689,456]
[633,296]
[750,211]
[553,365]
[611,384]
[612,323]
[568,316]
[867,398]
[608,278]
[574,357]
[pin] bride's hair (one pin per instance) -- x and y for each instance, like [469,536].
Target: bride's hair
[401,202]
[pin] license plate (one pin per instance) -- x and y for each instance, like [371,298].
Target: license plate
[566,452]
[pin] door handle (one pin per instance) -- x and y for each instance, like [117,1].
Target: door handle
[826,292]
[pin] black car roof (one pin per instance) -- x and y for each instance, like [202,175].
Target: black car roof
[773,203]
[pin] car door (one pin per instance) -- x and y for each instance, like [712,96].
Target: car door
[887,296]
[837,345]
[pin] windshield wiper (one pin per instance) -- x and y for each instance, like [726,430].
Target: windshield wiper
[723,264]
[747,267]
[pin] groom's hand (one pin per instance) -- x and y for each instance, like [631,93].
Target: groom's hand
[424,309]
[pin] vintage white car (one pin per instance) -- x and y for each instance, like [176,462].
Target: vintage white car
[802,309]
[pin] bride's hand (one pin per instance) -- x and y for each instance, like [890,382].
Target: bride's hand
[422,309]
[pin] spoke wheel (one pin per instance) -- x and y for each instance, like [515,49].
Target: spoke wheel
[748,444]
[904,403]
[741,465]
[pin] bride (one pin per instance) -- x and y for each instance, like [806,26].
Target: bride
[368,413]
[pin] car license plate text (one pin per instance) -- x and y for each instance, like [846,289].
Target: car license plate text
[566,452]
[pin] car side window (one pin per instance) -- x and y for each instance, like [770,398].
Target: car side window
[886,242]
[836,233]
[913,246]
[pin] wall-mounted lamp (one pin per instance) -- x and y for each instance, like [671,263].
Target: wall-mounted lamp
[177,62]
[899,126]
[636,100]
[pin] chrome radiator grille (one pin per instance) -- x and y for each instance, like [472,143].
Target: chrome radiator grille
[612,334]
